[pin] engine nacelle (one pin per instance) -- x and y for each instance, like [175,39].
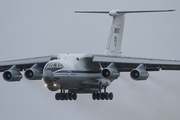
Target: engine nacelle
[33,74]
[12,75]
[139,74]
[110,73]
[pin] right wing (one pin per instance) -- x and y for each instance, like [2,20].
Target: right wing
[23,64]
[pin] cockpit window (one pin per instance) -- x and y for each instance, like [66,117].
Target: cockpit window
[53,66]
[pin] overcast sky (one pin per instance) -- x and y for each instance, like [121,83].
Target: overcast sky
[49,27]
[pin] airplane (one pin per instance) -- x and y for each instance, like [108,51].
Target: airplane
[73,74]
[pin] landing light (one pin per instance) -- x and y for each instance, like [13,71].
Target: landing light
[45,85]
[54,85]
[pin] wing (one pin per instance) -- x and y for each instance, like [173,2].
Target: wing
[23,64]
[126,64]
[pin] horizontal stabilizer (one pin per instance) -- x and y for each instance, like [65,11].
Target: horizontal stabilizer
[145,11]
[91,11]
[123,12]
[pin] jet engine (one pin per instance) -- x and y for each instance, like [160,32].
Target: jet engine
[110,73]
[12,75]
[139,73]
[33,73]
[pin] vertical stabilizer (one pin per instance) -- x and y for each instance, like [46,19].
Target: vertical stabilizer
[113,46]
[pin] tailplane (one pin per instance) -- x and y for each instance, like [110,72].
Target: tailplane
[114,43]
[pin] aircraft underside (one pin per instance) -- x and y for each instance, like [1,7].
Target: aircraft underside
[71,86]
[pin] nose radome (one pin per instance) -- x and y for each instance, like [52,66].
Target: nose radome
[48,75]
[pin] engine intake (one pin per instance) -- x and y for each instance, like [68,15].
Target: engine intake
[12,75]
[33,73]
[110,73]
[139,73]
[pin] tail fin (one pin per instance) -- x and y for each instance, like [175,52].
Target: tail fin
[113,46]
[116,32]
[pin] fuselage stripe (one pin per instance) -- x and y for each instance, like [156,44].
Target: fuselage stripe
[75,71]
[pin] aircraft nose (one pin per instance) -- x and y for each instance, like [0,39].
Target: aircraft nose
[48,75]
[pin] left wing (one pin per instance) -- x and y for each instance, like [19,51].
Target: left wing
[126,64]
[138,67]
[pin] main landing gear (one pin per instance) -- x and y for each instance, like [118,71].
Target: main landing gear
[102,95]
[95,96]
[65,96]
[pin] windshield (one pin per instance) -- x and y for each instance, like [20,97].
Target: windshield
[53,66]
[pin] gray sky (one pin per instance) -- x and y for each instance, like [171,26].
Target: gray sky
[44,27]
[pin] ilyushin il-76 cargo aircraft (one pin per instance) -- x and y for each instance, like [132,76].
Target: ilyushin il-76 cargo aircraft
[72,74]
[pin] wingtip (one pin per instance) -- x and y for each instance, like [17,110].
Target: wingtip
[172,10]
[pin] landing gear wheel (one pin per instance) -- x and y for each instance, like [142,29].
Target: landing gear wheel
[94,96]
[57,96]
[102,96]
[106,96]
[66,96]
[74,96]
[110,95]
[98,96]
[62,96]
[70,96]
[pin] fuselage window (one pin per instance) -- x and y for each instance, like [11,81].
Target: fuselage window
[54,65]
